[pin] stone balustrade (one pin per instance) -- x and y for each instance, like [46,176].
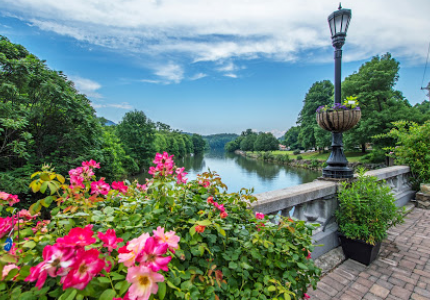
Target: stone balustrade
[316,202]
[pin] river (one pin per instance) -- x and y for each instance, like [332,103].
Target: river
[237,171]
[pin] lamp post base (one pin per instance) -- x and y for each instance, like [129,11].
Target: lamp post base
[337,172]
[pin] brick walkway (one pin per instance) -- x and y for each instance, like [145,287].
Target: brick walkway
[401,271]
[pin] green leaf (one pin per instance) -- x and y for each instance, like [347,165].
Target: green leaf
[302,266]
[69,294]
[44,186]
[107,295]
[204,222]
[232,265]
[193,230]
[103,279]
[271,288]
[7,258]
[29,244]
[161,290]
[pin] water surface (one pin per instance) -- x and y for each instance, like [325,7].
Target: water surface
[237,171]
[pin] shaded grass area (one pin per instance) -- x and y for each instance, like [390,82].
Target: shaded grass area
[353,156]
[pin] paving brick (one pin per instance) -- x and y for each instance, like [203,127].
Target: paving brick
[365,282]
[409,287]
[338,278]
[418,297]
[333,283]
[385,284]
[326,289]
[370,296]
[422,292]
[362,289]
[379,291]
[422,273]
[400,292]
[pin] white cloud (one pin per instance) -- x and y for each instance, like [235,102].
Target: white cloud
[230,75]
[198,76]
[151,81]
[123,105]
[86,86]
[170,73]
[225,30]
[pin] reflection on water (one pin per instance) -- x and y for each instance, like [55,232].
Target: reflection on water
[237,171]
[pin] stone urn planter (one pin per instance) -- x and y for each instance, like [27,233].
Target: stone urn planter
[338,120]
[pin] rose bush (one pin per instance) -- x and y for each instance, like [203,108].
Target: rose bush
[166,239]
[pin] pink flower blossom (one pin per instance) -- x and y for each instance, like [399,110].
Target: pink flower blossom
[56,259]
[131,250]
[223,215]
[23,213]
[143,282]
[91,163]
[119,186]
[170,238]
[7,269]
[306,296]
[37,273]
[76,181]
[151,255]
[205,183]
[76,172]
[181,176]
[210,200]
[6,225]
[77,236]
[200,228]
[41,225]
[87,172]
[12,199]
[259,216]
[100,187]
[142,187]
[164,164]
[219,206]
[109,239]
[86,265]
[309,255]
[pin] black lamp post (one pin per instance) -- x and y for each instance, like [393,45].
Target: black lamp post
[337,164]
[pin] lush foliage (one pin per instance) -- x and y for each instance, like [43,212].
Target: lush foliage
[218,141]
[310,134]
[380,103]
[252,141]
[366,209]
[43,119]
[413,148]
[350,103]
[167,239]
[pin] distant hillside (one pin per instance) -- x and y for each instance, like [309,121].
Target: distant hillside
[218,141]
[109,123]
[105,121]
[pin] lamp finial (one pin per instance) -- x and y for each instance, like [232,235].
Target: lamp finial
[340,6]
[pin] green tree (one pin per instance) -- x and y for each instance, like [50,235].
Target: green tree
[266,142]
[199,143]
[380,104]
[291,137]
[137,133]
[43,119]
[310,136]
[248,141]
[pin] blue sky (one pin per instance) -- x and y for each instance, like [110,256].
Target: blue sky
[214,66]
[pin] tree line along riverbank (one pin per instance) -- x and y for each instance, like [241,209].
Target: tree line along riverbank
[308,160]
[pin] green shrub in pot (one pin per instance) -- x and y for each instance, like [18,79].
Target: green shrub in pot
[366,209]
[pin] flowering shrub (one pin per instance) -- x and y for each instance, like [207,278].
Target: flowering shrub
[166,239]
[350,103]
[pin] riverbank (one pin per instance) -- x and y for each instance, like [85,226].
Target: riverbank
[310,160]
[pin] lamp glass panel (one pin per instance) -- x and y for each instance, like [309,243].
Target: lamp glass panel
[338,20]
[332,29]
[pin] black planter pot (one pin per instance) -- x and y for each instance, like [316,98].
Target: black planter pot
[358,250]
